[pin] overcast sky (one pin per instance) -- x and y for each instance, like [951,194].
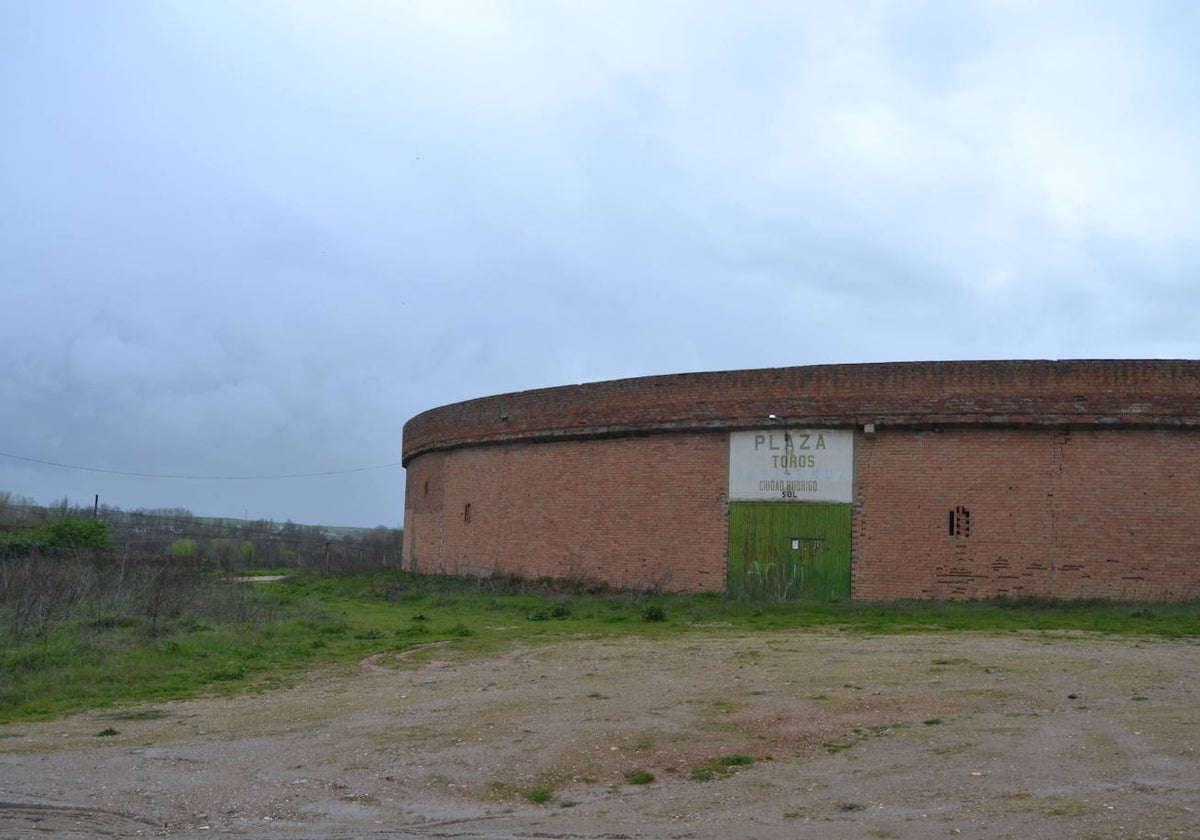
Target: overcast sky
[254,237]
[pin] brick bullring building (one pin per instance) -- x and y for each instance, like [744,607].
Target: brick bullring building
[1066,479]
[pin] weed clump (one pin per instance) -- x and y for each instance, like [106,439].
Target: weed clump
[720,767]
[539,796]
[557,612]
[228,673]
[653,612]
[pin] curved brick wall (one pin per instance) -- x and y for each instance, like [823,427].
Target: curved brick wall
[1083,476]
[1030,393]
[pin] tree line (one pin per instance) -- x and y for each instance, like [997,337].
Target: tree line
[230,544]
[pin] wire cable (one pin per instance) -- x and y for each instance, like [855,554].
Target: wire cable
[197,477]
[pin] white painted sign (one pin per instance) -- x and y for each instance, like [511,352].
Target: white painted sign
[791,465]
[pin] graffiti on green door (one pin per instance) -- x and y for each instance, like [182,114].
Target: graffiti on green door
[781,551]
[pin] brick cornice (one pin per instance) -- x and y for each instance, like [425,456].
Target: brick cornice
[1021,393]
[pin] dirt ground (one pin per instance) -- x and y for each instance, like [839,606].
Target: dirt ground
[947,735]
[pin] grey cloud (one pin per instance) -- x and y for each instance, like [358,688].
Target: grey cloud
[255,239]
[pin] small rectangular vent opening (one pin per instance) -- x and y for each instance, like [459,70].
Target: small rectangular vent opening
[959,522]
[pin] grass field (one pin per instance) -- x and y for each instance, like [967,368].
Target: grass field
[230,637]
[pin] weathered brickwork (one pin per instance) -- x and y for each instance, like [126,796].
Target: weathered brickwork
[1064,513]
[1064,479]
[634,512]
[1017,393]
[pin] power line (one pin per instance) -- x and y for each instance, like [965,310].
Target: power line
[196,477]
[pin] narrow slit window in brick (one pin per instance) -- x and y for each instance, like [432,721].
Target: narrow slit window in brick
[959,522]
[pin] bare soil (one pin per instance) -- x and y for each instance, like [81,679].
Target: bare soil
[852,736]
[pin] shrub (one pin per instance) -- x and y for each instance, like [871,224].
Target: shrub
[539,796]
[654,613]
[71,533]
[558,611]
[183,548]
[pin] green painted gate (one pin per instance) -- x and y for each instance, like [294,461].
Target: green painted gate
[780,550]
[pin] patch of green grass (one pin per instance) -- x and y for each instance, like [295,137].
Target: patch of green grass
[640,777]
[539,796]
[108,733]
[228,672]
[558,612]
[105,657]
[720,767]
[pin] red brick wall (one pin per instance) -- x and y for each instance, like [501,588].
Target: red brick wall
[635,512]
[424,504]
[1068,514]
[1082,478]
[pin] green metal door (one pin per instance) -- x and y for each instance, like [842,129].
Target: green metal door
[783,550]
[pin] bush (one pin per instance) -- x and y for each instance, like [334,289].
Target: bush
[539,796]
[558,611]
[654,613]
[183,548]
[17,545]
[71,533]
